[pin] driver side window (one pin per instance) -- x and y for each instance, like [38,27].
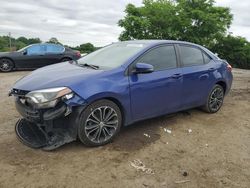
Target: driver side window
[36,50]
[162,58]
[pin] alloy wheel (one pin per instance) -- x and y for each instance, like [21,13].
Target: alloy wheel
[216,99]
[5,65]
[101,124]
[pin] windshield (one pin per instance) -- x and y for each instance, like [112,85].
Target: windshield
[24,48]
[111,56]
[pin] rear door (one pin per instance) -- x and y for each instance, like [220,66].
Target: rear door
[197,69]
[159,92]
[54,53]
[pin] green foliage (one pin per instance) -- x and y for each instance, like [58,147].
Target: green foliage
[236,50]
[86,48]
[54,40]
[4,43]
[197,21]
[28,41]
[16,43]
[203,22]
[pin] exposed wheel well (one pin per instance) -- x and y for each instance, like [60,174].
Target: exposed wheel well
[119,105]
[223,85]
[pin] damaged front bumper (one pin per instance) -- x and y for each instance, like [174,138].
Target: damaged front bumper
[48,128]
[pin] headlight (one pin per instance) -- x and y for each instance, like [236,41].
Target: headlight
[47,98]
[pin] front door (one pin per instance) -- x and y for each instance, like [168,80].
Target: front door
[33,57]
[159,92]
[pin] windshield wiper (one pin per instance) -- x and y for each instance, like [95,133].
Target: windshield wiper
[89,65]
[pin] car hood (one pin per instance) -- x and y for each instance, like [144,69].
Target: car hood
[8,54]
[58,75]
[4,53]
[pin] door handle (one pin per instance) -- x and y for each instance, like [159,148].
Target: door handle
[176,76]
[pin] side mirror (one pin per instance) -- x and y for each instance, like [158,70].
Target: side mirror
[143,68]
[25,52]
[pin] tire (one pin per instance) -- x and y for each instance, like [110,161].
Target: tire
[214,100]
[99,123]
[6,65]
[66,59]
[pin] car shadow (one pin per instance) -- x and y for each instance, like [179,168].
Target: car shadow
[135,136]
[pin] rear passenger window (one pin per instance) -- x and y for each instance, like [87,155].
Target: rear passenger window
[55,49]
[207,59]
[161,58]
[191,56]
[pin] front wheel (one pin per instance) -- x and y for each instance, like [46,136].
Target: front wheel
[215,99]
[6,65]
[99,123]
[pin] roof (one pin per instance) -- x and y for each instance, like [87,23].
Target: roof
[151,42]
[158,42]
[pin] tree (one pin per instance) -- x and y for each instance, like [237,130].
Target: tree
[4,43]
[198,21]
[23,40]
[19,44]
[86,48]
[34,41]
[53,40]
[16,43]
[236,50]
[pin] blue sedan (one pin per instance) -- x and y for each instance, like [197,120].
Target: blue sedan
[125,82]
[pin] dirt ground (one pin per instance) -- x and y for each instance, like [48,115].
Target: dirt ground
[215,154]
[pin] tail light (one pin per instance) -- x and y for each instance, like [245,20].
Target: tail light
[229,67]
[78,54]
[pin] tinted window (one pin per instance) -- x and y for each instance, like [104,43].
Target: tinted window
[191,56]
[36,49]
[161,58]
[53,48]
[207,59]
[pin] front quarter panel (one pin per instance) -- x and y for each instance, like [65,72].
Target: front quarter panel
[109,84]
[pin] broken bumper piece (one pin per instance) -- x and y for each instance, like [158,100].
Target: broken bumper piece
[35,136]
[48,128]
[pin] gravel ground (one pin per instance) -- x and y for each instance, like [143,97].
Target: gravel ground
[215,153]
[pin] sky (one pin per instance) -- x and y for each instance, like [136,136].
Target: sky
[74,22]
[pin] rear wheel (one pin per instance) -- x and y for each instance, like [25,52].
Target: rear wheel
[66,59]
[215,99]
[99,123]
[6,65]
